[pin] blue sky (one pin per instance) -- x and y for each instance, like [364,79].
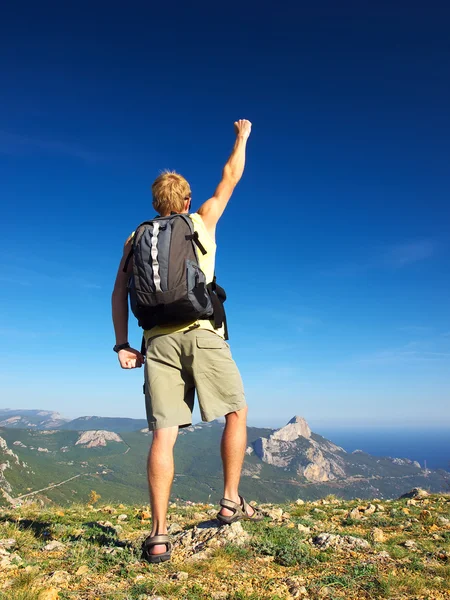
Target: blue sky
[334,249]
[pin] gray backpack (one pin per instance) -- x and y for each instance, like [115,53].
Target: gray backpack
[167,286]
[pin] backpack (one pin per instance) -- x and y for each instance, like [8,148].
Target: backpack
[167,286]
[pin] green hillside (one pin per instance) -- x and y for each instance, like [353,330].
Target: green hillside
[63,472]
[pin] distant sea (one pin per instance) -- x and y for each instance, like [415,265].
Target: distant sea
[432,445]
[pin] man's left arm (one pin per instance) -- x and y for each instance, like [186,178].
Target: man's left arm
[129,358]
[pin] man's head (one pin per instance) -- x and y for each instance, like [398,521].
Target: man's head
[171,193]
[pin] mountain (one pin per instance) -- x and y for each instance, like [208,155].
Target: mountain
[33,419]
[117,424]
[291,462]
[44,419]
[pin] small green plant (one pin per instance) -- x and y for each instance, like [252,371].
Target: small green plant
[284,545]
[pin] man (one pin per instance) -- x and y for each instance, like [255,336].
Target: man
[182,359]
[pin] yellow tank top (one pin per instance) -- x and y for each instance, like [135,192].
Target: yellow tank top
[207,265]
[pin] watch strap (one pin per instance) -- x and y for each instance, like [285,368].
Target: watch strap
[119,347]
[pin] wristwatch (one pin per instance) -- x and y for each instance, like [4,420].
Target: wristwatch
[119,347]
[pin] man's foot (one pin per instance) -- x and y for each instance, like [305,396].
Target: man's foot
[225,512]
[232,511]
[156,548]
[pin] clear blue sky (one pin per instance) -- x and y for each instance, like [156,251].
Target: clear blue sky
[335,247]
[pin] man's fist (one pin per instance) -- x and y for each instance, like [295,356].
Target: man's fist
[129,358]
[243,128]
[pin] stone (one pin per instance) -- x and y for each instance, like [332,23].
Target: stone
[299,501]
[198,543]
[174,528]
[443,521]
[383,555]
[343,542]
[370,509]
[355,514]
[59,577]
[377,535]
[145,515]
[380,508]
[411,502]
[324,592]
[303,528]
[7,543]
[180,576]
[274,513]
[416,493]
[54,545]
[122,517]
[411,544]
[83,570]
[49,594]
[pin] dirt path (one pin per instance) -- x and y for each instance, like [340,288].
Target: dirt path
[53,485]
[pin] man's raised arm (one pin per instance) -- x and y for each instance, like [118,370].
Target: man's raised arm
[212,209]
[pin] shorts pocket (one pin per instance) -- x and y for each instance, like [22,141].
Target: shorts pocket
[213,342]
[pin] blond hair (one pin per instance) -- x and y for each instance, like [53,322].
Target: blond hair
[170,192]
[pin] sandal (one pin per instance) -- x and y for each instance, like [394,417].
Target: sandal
[239,512]
[156,540]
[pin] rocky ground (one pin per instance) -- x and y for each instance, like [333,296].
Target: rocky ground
[327,549]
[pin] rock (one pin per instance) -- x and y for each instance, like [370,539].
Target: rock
[377,535]
[299,592]
[59,577]
[174,528]
[49,594]
[180,576]
[82,570]
[411,544]
[355,514]
[296,587]
[380,508]
[122,517]
[323,592]
[54,545]
[303,528]
[318,511]
[344,542]
[411,502]
[7,543]
[274,513]
[416,493]
[370,509]
[299,501]
[383,555]
[145,515]
[94,439]
[219,595]
[197,543]
[440,520]
[32,569]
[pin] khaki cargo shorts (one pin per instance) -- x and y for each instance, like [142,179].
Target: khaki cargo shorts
[177,365]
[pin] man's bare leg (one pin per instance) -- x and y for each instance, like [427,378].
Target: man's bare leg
[160,471]
[232,448]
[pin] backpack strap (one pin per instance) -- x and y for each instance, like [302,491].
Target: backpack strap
[127,260]
[194,238]
[218,297]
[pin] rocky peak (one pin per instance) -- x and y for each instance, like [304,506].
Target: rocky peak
[99,437]
[296,427]
[293,448]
